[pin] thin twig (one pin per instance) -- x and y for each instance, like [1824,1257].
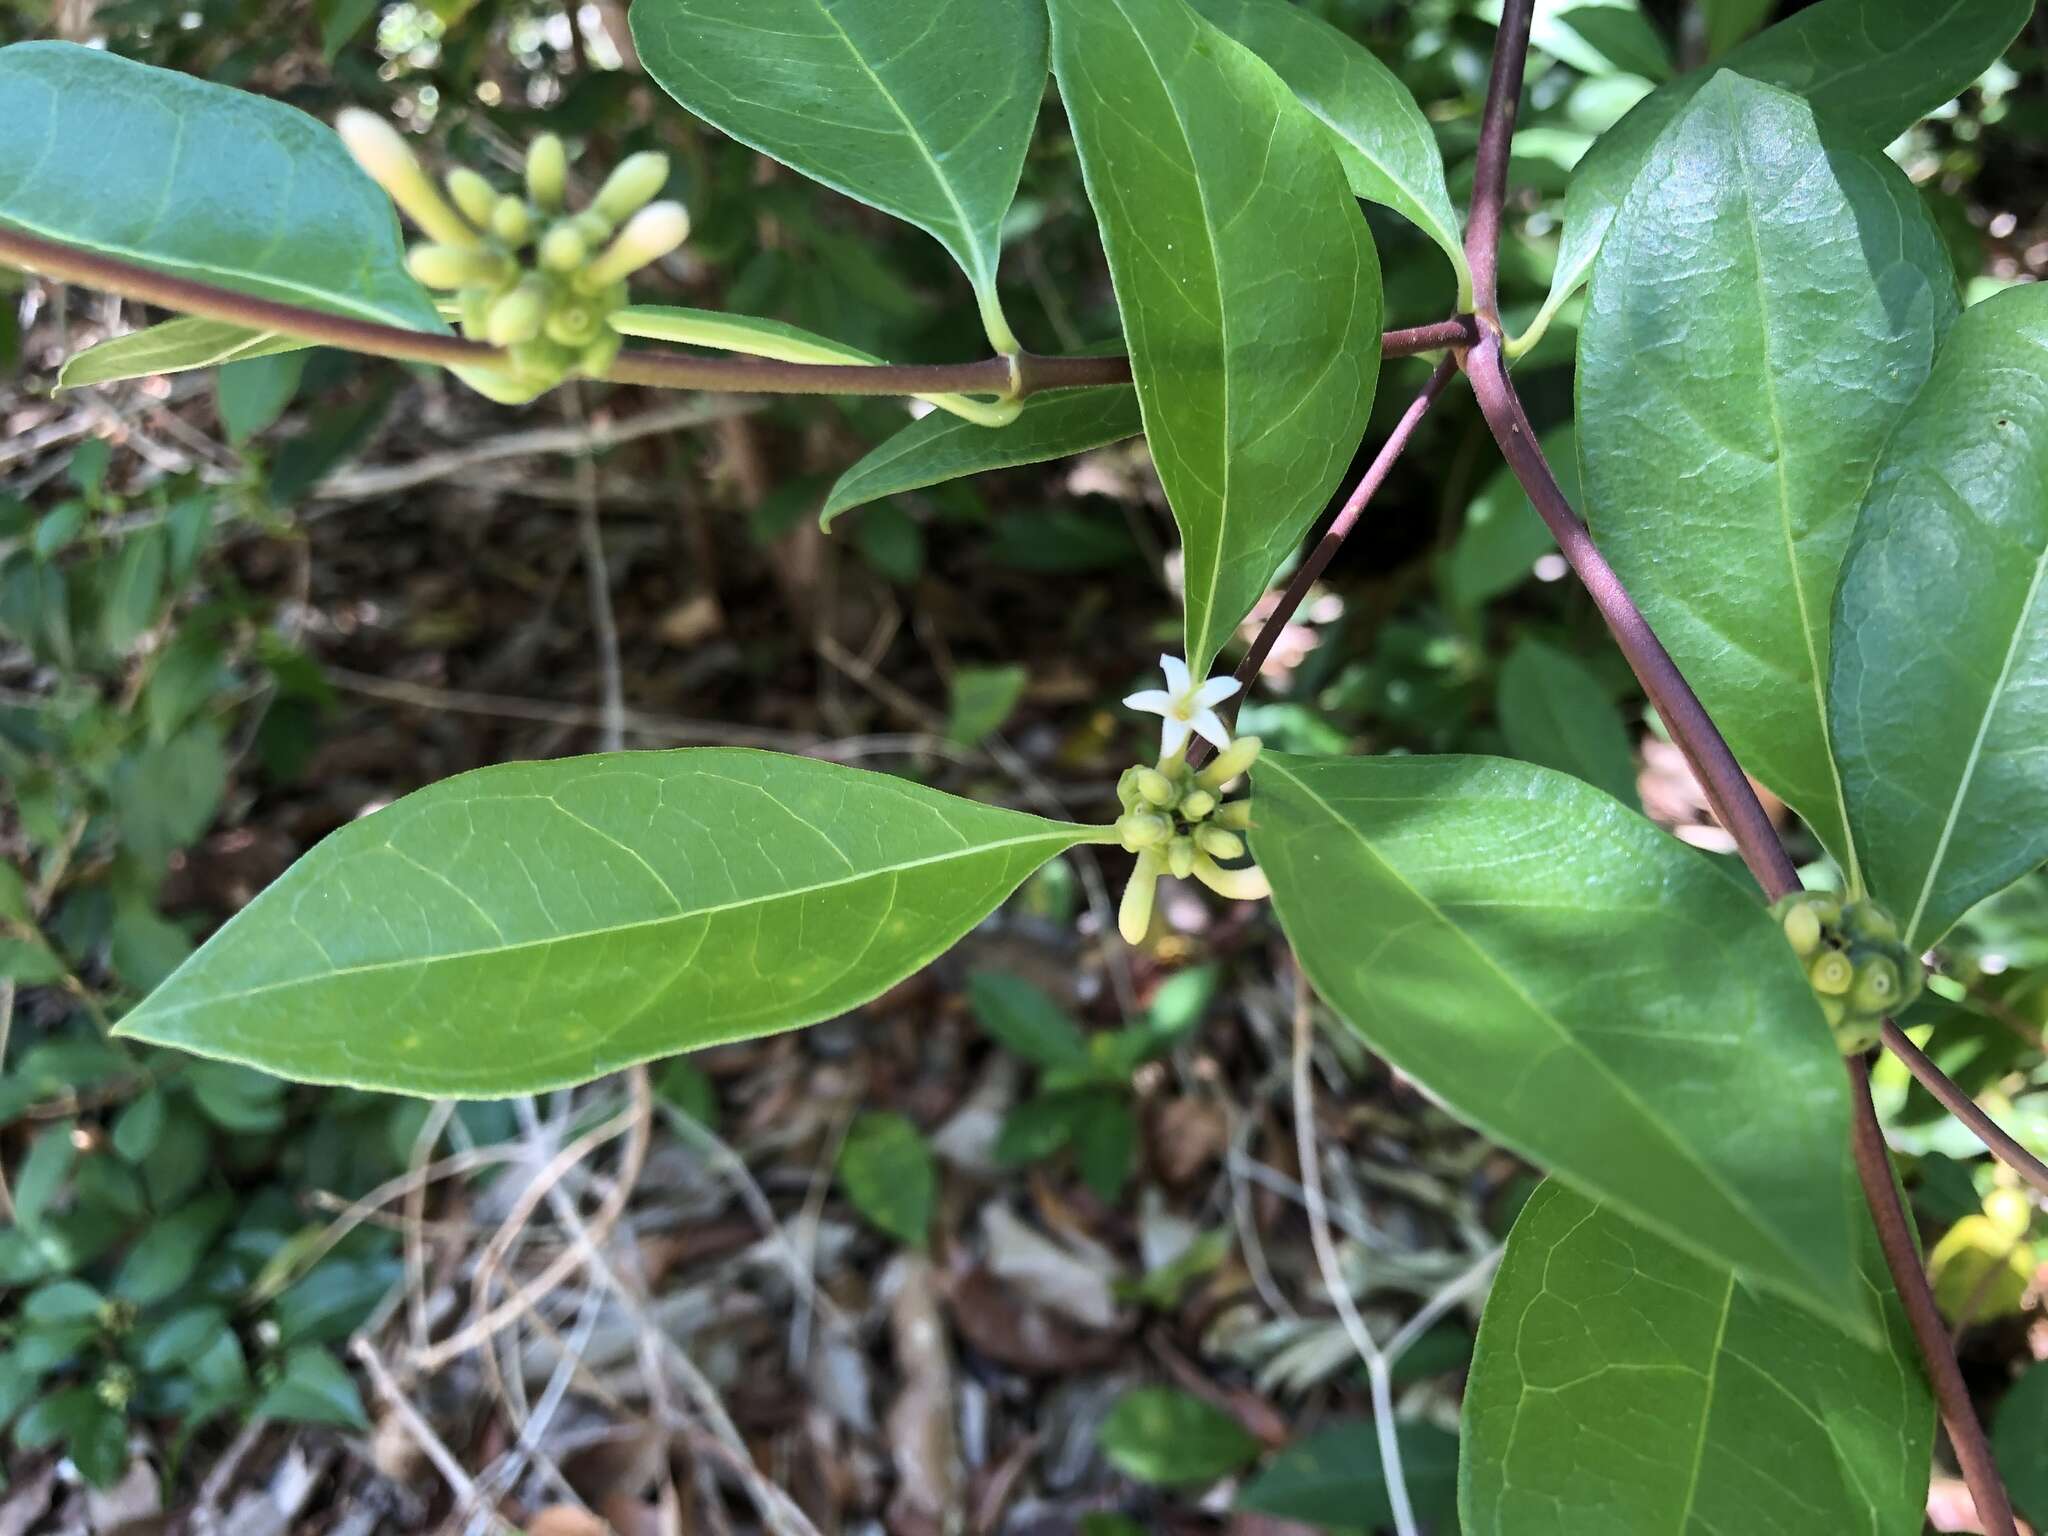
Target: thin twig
[1379,1374]
[1964,1108]
[1490,165]
[417,1428]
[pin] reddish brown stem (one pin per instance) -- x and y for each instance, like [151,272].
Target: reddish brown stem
[1964,1108]
[1490,165]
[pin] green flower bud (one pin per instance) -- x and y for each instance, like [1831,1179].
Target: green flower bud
[562,249]
[1218,843]
[477,198]
[516,317]
[1156,787]
[594,227]
[636,182]
[574,324]
[1868,921]
[380,150]
[1802,927]
[1246,884]
[451,267]
[1832,973]
[597,358]
[547,172]
[1234,814]
[1134,913]
[1877,988]
[1229,763]
[1180,857]
[1197,804]
[1127,787]
[512,222]
[1143,829]
[649,235]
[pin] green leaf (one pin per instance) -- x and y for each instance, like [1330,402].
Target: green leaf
[2019,1429]
[1758,263]
[1741,1413]
[1555,713]
[945,447]
[172,347]
[886,1168]
[1503,537]
[1386,146]
[538,924]
[313,1389]
[1249,288]
[923,111]
[134,589]
[1026,1020]
[1164,1436]
[42,1173]
[1334,1478]
[254,391]
[982,700]
[1106,1143]
[164,794]
[198,180]
[1517,942]
[169,1252]
[1939,689]
[95,1436]
[1871,68]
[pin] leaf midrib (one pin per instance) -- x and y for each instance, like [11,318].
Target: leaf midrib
[1627,1091]
[217,999]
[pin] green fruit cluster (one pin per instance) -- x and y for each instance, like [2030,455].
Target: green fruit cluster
[1860,970]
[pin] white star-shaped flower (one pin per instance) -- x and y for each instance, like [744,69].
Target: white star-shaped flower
[1185,709]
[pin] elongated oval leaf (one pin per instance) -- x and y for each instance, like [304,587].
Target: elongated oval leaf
[1622,1385]
[1939,692]
[940,448]
[198,180]
[172,347]
[1580,986]
[1385,144]
[1554,712]
[1872,68]
[537,924]
[1765,305]
[1249,288]
[923,111]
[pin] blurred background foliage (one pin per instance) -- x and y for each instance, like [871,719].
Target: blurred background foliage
[237,610]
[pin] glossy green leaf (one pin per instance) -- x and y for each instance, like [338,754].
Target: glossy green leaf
[1622,1387]
[254,391]
[538,924]
[1871,68]
[1597,37]
[1165,1436]
[1386,146]
[1582,987]
[1939,689]
[888,1173]
[197,180]
[1334,1478]
[1503,536]
[945,447]
[172,347]
[1249,288]
[2019,1434]
[1554,712]
[923,111]
[1759,266]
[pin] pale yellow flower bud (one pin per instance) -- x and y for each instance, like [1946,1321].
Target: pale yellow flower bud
[562,249]
[451,267]
[1246,884]
[1197,805]
[547,172]
[1234,814]
[1218,843]
[636,182]
[517,317]
[1229,763]
[477,198]
[1134,913]
[1180,857]
[1155,786]
[649,235]
[389,161]
[511,222]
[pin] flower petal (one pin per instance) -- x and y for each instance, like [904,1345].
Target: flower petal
[1173,737]
[1215,691]
[1152,701]
[1176,672]
[1210,724]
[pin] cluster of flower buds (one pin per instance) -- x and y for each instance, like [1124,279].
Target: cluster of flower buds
[529,275]
[1855,961]
[1178,823]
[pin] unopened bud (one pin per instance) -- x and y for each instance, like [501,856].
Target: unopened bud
[511,222]
[1143,829]
[1197,804]
[636,182]
[1180,857]
[593,226]
[1831,973]
[1218,843]
[648,236]
[388,159]
[1155,786]
[1234,814]
[1867,920]
[516,318]
[1802,927]
[451,267]
[1246,884]
[1229,763]
[1877,986]
[547,172]
[562,249]
[1134,913]
[477,198]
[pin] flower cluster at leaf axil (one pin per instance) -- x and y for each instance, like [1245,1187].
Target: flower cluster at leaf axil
[529,275]
[1176,819]
[1860,970]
